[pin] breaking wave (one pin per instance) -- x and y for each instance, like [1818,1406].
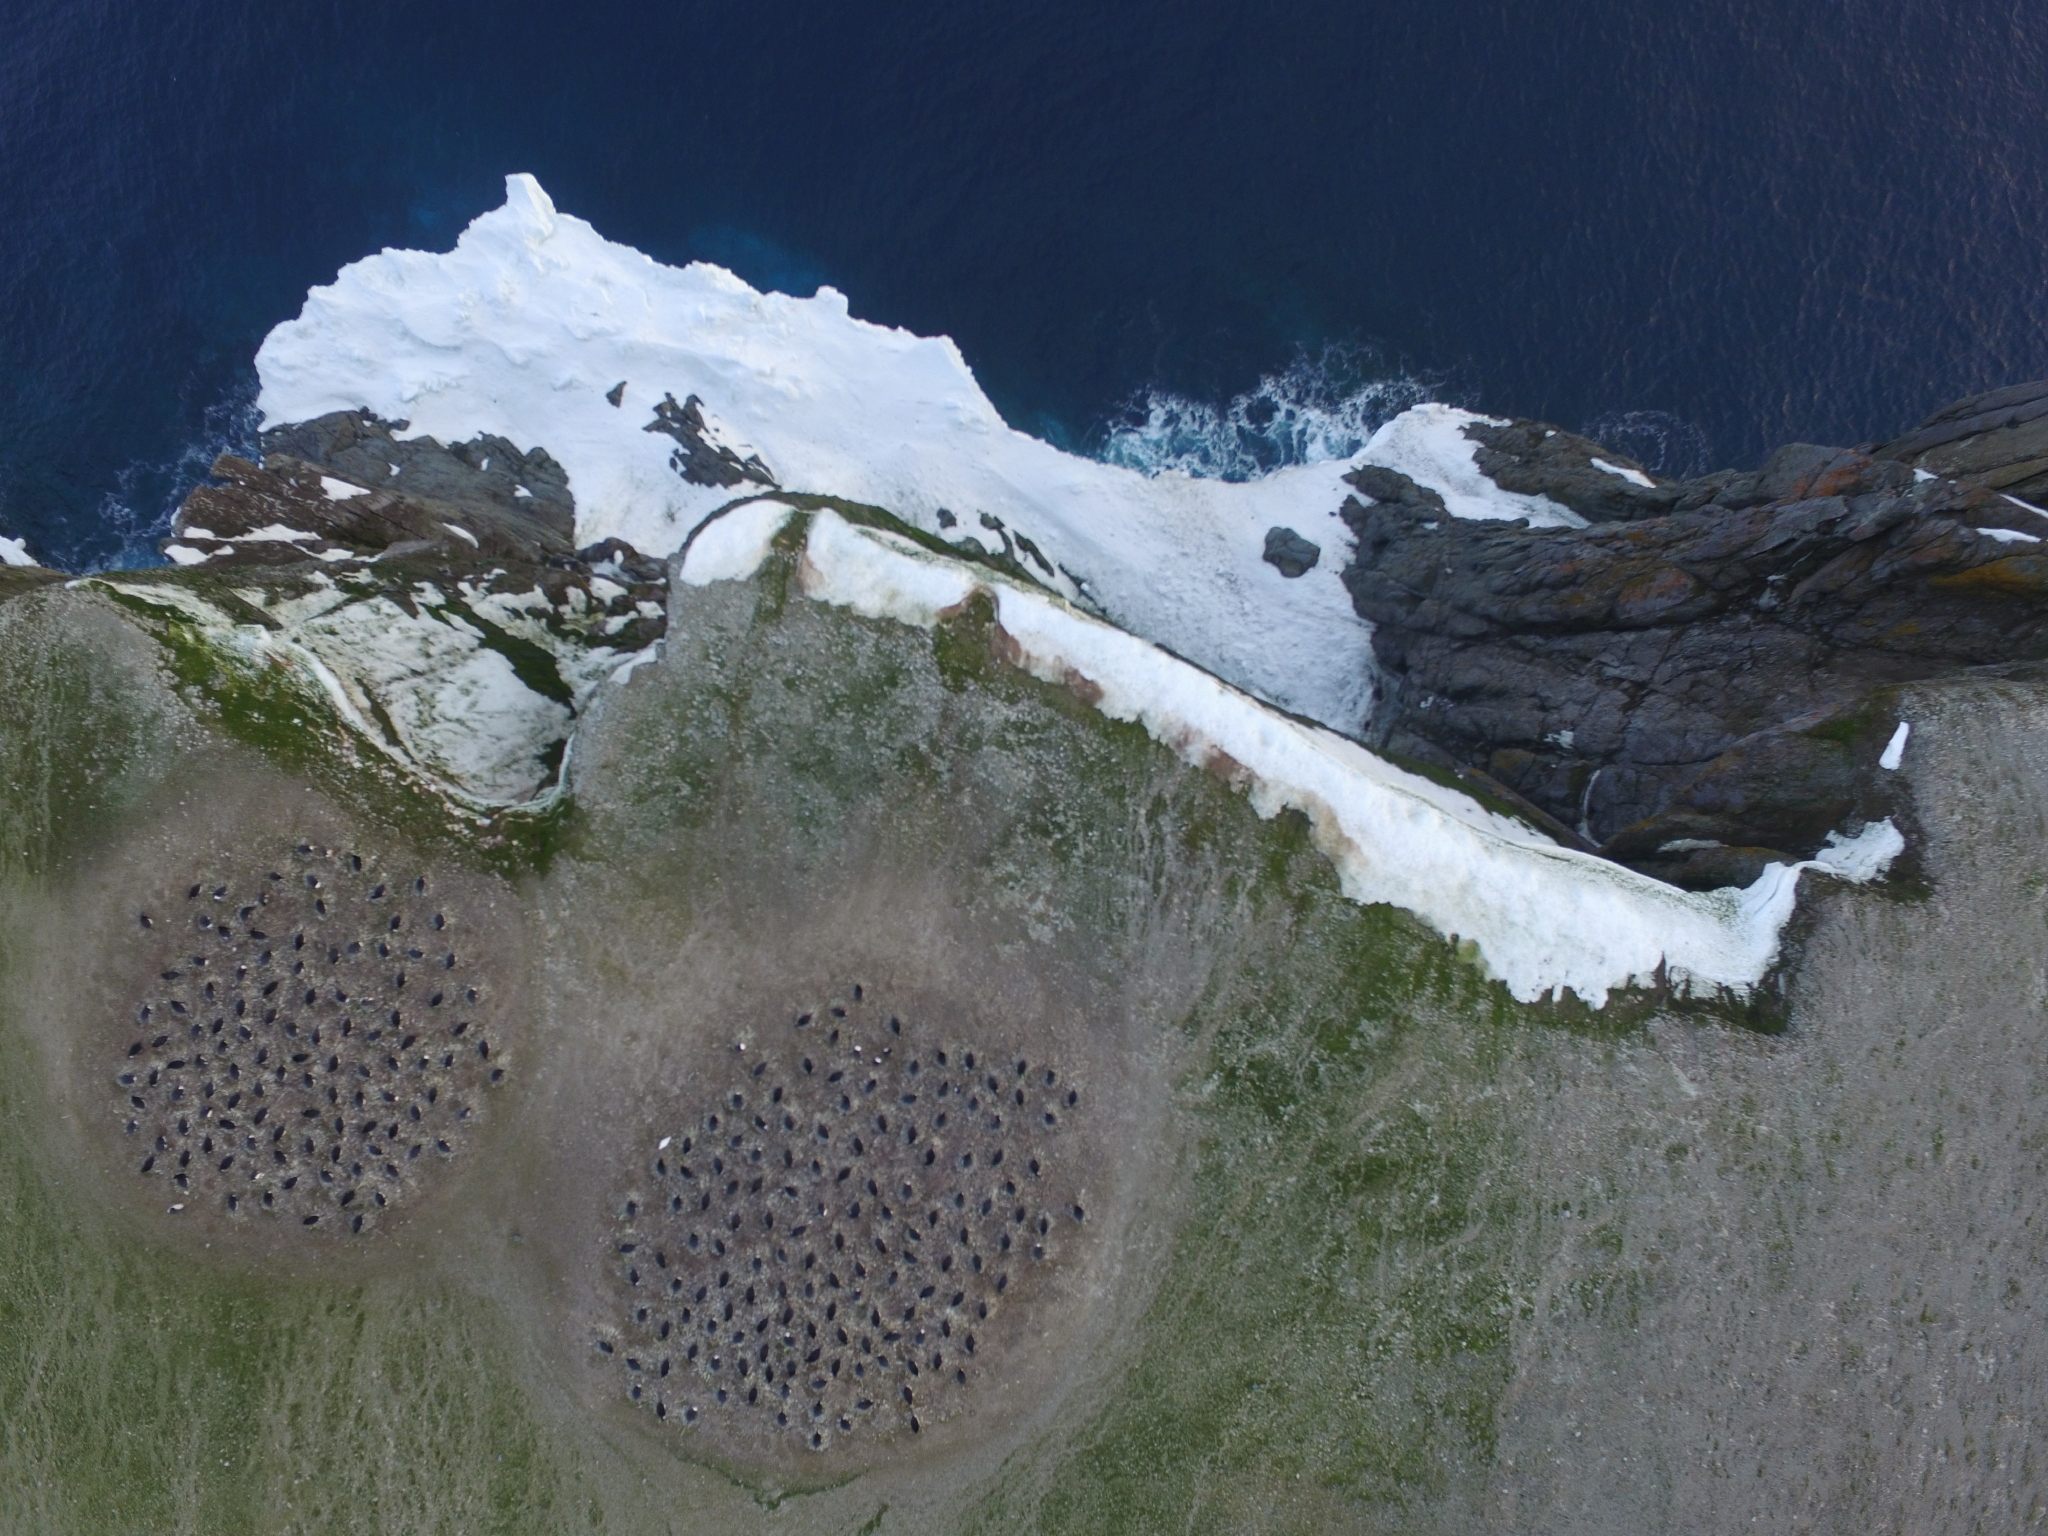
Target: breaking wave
[146,495]
[1314,410]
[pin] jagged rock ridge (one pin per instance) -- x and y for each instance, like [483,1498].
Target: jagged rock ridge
[1694,682]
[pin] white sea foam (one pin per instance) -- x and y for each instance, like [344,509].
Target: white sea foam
[147,494]
[1312,412]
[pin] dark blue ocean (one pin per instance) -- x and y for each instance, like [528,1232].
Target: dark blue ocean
[1701,229]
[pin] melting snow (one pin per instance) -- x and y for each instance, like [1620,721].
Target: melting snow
[732,547]
[1543,918]
[524,326]
[1428,444]
[1861,856]
[1895,749]
[1632,476]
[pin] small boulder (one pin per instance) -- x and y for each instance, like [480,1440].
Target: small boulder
[1289,553]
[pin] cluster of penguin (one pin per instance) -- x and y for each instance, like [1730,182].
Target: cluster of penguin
[820,1247]
[308,1046]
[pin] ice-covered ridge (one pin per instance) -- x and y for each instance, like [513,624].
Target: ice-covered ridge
[1541,918]
[530,325]
[425,685]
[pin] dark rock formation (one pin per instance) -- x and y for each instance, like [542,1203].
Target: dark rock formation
[1289,553]
[1705,666]
[483,496]
[1578,474]
[483,511]
[1998,440]
[698,457]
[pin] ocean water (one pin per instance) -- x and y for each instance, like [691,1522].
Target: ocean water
[1195,235]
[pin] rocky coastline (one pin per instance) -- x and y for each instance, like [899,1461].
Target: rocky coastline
[1693,678]
[1697,680]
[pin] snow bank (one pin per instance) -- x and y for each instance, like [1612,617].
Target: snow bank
[424,686]
[1622,471]
[732,547]
[533,318]
[1895,749]
[1428,444]
[1543,919]
[15,552]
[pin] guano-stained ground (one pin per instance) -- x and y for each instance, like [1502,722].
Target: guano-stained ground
[1372,1248]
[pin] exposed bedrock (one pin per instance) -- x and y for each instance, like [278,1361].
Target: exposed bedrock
[435,588]
[344,492]
[1695,682]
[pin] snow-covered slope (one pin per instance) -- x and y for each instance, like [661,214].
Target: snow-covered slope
[431,682]
[1540,918]
[530,324]
[537,329]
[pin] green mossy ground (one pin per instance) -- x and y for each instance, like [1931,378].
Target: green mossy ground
[1325,1343]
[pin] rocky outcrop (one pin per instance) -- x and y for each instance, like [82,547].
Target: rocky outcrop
[432,591]
[1998,439]
[1695,682]
[1289,553]
[700,457]
[1596,483]
[346,486]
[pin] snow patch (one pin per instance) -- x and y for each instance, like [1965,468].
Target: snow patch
[15,552]
[185,554]
[1861,856]
[1542,918]
[523,328]
[2010,536]
[1921,476]
[340,490]
[731,547]
[1428,444]
[1632,476]
[1895,749]
[424,687]
[461,533]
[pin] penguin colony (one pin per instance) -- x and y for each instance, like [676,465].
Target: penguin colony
[310,1045]
[823,1249]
